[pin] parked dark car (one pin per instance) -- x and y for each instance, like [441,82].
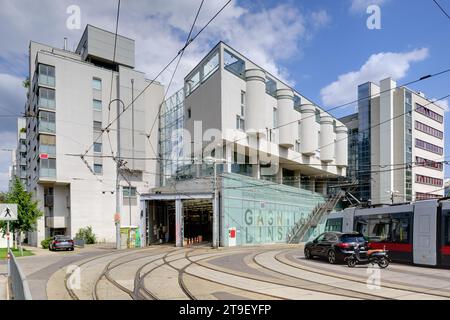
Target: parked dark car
[334,246]
[61,243]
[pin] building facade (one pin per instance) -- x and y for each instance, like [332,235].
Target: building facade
[18,166]
[400,144]
[273,151]
[72,98]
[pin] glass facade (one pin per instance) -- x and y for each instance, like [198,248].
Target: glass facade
[171,123]
[262,212]
[364,161]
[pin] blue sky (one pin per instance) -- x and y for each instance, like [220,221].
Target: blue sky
[322,47]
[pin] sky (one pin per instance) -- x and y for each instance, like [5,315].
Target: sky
[323,48]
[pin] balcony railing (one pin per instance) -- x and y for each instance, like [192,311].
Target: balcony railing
[46,80]
[47,127]
[47,173]
[48,149]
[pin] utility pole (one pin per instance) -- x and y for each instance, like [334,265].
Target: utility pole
[117,215]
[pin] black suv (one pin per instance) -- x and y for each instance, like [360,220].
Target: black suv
[334,246]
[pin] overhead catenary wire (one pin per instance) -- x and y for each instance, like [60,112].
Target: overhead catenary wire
[442,9]
[159,74]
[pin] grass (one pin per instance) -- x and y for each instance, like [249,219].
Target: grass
[16,252]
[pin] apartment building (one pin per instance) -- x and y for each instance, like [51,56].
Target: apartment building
[18,166]
[399,137]
[72,98]
[271,152]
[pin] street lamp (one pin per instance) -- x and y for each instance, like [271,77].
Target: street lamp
[215,161]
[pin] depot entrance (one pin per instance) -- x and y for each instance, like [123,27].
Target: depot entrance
[189,216]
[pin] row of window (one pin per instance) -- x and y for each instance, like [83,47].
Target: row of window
[429,113]
[97,125]
[429,180]
[429,130]
[429,147]
[429,164]
[426,196]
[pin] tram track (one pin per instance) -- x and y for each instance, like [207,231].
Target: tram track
[324,272]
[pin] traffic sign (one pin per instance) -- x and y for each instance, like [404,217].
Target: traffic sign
[8,211]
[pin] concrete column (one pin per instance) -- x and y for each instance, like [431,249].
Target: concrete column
[326,138]
[341,146]
[255,117]
[285,101]
[179,223]
[308,139]
[386,151]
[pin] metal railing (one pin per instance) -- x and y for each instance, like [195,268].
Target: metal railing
[319,211]
[19,283]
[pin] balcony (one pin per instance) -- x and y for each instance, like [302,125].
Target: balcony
[23,148]
[47,127]
[47,173]
[48,149]
[56,222]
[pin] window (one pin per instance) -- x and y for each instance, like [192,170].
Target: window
[129,192]
[98,168]
[47,116]
[189,111]
[317,115]
[193,83]
[210,66]
[429,147]
[97,147]
[47,167]
[47,144]
[297,103]
[428,113]
[429,180]
[426,196]
[96,84]
[240,123]
[97,125]
[429,130]
[429,164]
[447,229]
[243,103]
[47,75]
[386,227]
[97,104]
[47,98]
[271,87]
[234,64]
[334,224]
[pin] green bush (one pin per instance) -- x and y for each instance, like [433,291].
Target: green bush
[46,243]
[86,234]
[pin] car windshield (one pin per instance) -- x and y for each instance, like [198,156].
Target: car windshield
[352,238]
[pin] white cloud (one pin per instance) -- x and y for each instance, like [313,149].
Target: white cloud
[379,66]
[360,6]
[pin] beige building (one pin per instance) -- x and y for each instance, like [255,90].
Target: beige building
[400,143]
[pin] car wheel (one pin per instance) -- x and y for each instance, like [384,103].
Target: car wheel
[308,254]
[331,257]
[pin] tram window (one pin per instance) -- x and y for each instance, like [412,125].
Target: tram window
[399,231]
[334,225]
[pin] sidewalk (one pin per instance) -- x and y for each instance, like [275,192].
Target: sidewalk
[3,282]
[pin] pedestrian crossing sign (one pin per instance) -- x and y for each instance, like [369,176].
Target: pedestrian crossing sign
[8,211]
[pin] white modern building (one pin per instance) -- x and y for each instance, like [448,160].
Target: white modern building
[274,151]
[73,96]
[399,136]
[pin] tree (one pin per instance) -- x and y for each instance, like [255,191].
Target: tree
[28,211]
